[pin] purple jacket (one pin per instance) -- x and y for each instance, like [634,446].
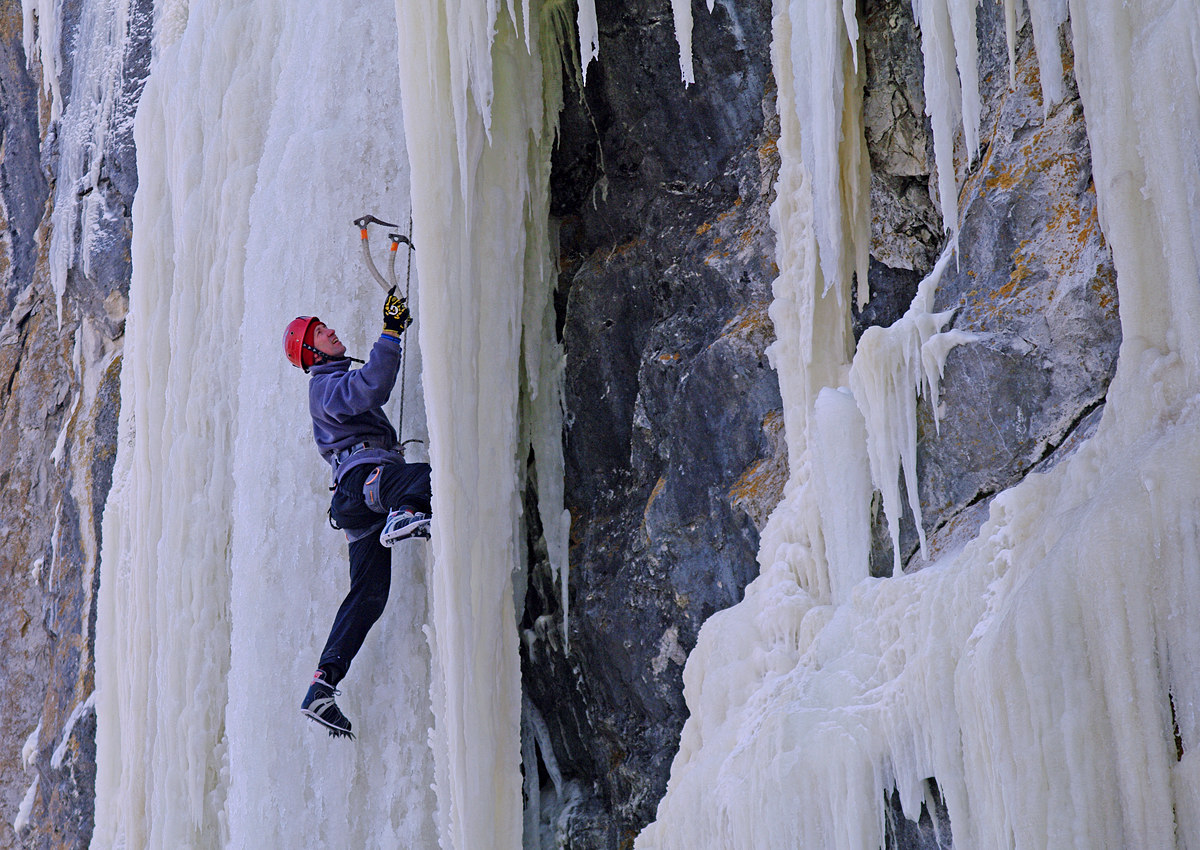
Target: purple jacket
[346,406]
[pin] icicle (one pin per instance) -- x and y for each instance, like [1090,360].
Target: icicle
[828,105]
[962,24]
[942,101]
[1012,9]
[1047,16]
[682,12]
[589,35]
[42,39]
[480,218]
[891,367]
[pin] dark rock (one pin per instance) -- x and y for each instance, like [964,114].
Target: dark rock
[931,831]
[23,185]
[673,414]
[906,225]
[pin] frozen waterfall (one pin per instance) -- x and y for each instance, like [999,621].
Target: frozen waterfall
[263,131]
[266,127]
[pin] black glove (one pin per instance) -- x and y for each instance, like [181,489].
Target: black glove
[395,314]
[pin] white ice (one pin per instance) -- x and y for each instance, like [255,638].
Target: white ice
[480,212]
[589,35]
[264,130]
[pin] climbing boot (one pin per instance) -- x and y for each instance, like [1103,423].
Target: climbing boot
[320,706]
[403,523]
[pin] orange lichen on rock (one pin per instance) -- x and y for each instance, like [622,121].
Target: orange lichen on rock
[654,494]
[760,487]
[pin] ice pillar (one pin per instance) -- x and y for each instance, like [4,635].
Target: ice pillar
[478,139]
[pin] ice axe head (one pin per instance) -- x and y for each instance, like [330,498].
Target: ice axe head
[362,221]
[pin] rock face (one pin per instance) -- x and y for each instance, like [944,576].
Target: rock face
[673,413]
[1034,280]
[59,397]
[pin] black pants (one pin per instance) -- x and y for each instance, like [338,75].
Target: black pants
[402,485]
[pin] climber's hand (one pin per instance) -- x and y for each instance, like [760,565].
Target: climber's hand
[395,314]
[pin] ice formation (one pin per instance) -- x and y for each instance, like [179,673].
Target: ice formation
[827,98]
[890,366]
[103,85]
[480,161]
[262,132]
[1044,674]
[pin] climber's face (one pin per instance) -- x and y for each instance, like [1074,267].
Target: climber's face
[325,340]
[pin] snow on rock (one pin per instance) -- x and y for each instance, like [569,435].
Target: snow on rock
[1043,673]
[60,752]
[25,810]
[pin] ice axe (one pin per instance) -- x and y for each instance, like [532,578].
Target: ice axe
[362,223]
[397,238]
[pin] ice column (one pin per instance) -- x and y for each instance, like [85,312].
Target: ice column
[478,141]
[163,629]
[264,129]
[827,84]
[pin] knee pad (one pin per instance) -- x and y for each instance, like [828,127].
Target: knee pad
[371,491]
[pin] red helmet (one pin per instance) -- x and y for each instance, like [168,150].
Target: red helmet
[298,339]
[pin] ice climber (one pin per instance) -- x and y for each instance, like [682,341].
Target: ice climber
[378,500]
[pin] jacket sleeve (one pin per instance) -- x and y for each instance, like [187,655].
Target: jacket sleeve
[358,390]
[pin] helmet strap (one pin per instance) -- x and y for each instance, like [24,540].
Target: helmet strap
[321,357]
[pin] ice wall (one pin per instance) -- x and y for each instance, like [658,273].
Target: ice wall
[264,129]
[1045,673]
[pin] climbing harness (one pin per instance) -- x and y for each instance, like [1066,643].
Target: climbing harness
[389,284]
